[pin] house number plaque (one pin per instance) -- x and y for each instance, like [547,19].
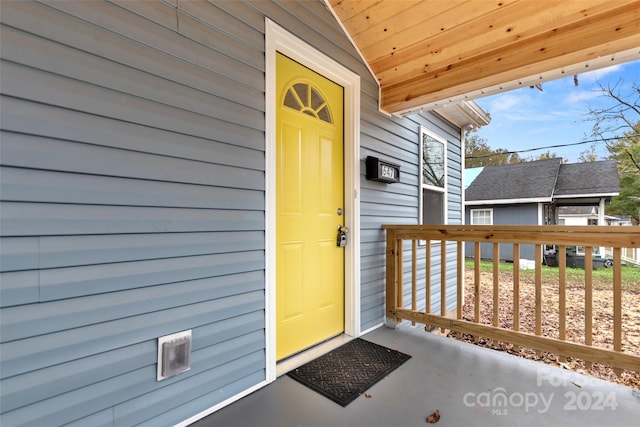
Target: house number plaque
[381,170]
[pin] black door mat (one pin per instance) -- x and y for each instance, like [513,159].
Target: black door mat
[348,371]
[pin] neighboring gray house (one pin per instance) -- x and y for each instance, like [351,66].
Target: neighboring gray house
[143,152]
[530,193]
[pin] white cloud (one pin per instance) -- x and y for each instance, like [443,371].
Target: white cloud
[506,102]
[577,96]
[525,118]
[595,75]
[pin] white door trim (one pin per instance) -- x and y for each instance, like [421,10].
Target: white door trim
[280,40]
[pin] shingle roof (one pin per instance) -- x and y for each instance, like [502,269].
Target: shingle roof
[527,180]
[599,178]
[544,179]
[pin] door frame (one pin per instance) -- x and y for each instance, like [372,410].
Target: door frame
[277,39]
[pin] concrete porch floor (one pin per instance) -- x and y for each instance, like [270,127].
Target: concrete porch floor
[469,385]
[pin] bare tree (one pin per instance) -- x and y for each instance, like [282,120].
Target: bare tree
[621,116]
[618,125]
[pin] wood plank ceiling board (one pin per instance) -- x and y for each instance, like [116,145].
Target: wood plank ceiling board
[427,53]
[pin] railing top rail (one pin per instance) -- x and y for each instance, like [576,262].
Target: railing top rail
[545,234]
[550,228]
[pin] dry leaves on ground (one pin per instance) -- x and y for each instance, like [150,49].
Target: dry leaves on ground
[575,320]
[434,418]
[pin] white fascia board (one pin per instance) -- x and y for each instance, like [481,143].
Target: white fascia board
[580,196]
[579,68]
[508,201]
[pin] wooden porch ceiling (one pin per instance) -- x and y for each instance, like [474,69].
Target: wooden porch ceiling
[426,53]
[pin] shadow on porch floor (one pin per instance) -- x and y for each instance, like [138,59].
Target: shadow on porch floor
[469,385]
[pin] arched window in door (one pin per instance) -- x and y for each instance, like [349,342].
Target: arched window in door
[305,98]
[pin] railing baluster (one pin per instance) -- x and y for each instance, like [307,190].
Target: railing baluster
[516,289]
[460,281]
[414,276]
[562,295]
[496,283]
[617,302]
[391,277]
[476,283]
[428,275]
[538,281]
[443,280]
[400,289]
[588,298]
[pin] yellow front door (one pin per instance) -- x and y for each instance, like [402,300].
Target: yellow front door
[309,200]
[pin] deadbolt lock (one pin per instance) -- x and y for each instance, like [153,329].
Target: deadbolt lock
[342,236]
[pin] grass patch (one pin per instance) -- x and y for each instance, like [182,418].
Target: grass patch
[602,277]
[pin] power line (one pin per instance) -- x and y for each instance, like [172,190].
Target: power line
[552,146]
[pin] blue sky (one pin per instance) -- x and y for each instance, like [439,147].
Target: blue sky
[527,118]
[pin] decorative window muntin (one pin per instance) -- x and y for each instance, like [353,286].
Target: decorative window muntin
[303,97]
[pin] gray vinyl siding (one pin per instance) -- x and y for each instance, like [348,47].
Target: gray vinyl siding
[399,204]
[133,201]
[517,214]
[132,207]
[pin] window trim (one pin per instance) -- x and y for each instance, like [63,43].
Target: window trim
[490,210]
[423,186]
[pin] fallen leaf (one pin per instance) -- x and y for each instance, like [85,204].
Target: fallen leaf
[367,395]
[434,418]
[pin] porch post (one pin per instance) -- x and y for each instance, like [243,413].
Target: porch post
[391,279]
[601,221]
[601,213]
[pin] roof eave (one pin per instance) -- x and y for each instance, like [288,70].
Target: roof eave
[464,114]
[582,195]
[591,64]
[508,201]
